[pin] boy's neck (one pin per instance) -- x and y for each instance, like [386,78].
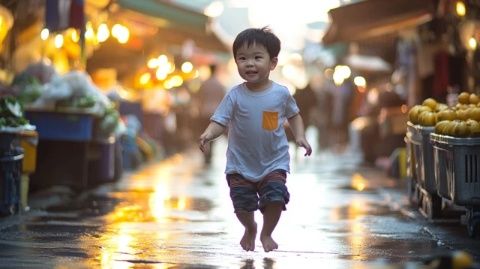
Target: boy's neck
[258,87]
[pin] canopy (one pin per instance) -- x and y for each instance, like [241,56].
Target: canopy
[371,18]
[155,26]
[174,23]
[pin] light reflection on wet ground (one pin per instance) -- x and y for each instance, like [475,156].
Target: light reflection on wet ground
[177,214]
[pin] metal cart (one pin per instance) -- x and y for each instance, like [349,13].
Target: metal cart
[430,202]
[457,166]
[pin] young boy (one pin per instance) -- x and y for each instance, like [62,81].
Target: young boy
[257,153]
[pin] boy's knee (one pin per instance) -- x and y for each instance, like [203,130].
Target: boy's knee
[273,205]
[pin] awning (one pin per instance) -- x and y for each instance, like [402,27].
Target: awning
[175,16]
[155,27]
[174,23]
[367,63]
[371,18]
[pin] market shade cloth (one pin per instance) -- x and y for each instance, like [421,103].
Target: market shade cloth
[175,23]
[370,18]
[368,63]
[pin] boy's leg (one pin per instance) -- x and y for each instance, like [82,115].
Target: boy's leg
[271,215]
[273,198]
[245,201]
[247,219]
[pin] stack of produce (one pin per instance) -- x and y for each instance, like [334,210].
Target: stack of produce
[459,120]
[11,115]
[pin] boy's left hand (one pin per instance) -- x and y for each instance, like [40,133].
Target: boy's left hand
[302,142]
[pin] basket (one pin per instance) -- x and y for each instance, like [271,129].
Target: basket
[423,155]
[457,165]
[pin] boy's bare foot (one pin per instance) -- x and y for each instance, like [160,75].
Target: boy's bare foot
[248,239]
[268,243]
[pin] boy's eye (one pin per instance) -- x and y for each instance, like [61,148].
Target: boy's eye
[241,58]
[258,57]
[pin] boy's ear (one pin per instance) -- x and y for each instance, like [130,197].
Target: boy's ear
[273,63]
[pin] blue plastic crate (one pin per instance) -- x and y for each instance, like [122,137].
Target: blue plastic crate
[62,125]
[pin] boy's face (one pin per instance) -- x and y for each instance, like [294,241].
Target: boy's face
[254,65]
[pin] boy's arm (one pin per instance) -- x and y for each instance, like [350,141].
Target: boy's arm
[213,131]
[298,130]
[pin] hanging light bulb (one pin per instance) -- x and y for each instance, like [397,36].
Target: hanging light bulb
[44,34]
[460,8]
[58,41]
[103,33]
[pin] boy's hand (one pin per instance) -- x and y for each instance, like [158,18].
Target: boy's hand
[302,142]
[204,143]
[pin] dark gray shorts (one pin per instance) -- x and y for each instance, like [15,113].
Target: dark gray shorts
[249,196]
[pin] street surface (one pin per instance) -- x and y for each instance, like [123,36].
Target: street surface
[176,213]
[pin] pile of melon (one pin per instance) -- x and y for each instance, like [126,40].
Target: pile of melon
[460,120]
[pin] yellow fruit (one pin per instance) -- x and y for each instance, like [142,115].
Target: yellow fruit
[473,127]
[474,99]
[461,260]
[462,114]
[446,114]
[415,112]
[461,129]
[464,98]
[442,126]
[449,128]
[461,106]
[441,106]
[474,113]
[427,118]
[430,102]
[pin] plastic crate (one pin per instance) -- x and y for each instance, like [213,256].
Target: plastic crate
[66,126]
[423,154]
[458,167]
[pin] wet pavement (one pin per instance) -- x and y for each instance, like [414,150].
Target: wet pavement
[176,213]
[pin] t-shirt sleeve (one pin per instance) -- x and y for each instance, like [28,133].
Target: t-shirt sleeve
[223,113]
[291,107]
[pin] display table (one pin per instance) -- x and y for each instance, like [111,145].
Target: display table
[63,148]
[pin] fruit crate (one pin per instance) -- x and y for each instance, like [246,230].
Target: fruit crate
[457,166]
[419,137]
[63,126]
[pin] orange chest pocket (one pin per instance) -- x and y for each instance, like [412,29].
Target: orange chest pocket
[270,120]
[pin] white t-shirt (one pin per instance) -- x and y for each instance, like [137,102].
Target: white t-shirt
[257,143]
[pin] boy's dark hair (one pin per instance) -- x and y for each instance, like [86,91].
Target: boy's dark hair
[260,36]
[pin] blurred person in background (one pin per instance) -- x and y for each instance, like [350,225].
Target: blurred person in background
[209,96]
[342,99]
[307,102]
[322,113]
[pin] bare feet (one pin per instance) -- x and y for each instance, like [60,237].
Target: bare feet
[248,239]
[268,243]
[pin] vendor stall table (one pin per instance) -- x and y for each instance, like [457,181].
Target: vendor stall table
[63,148]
